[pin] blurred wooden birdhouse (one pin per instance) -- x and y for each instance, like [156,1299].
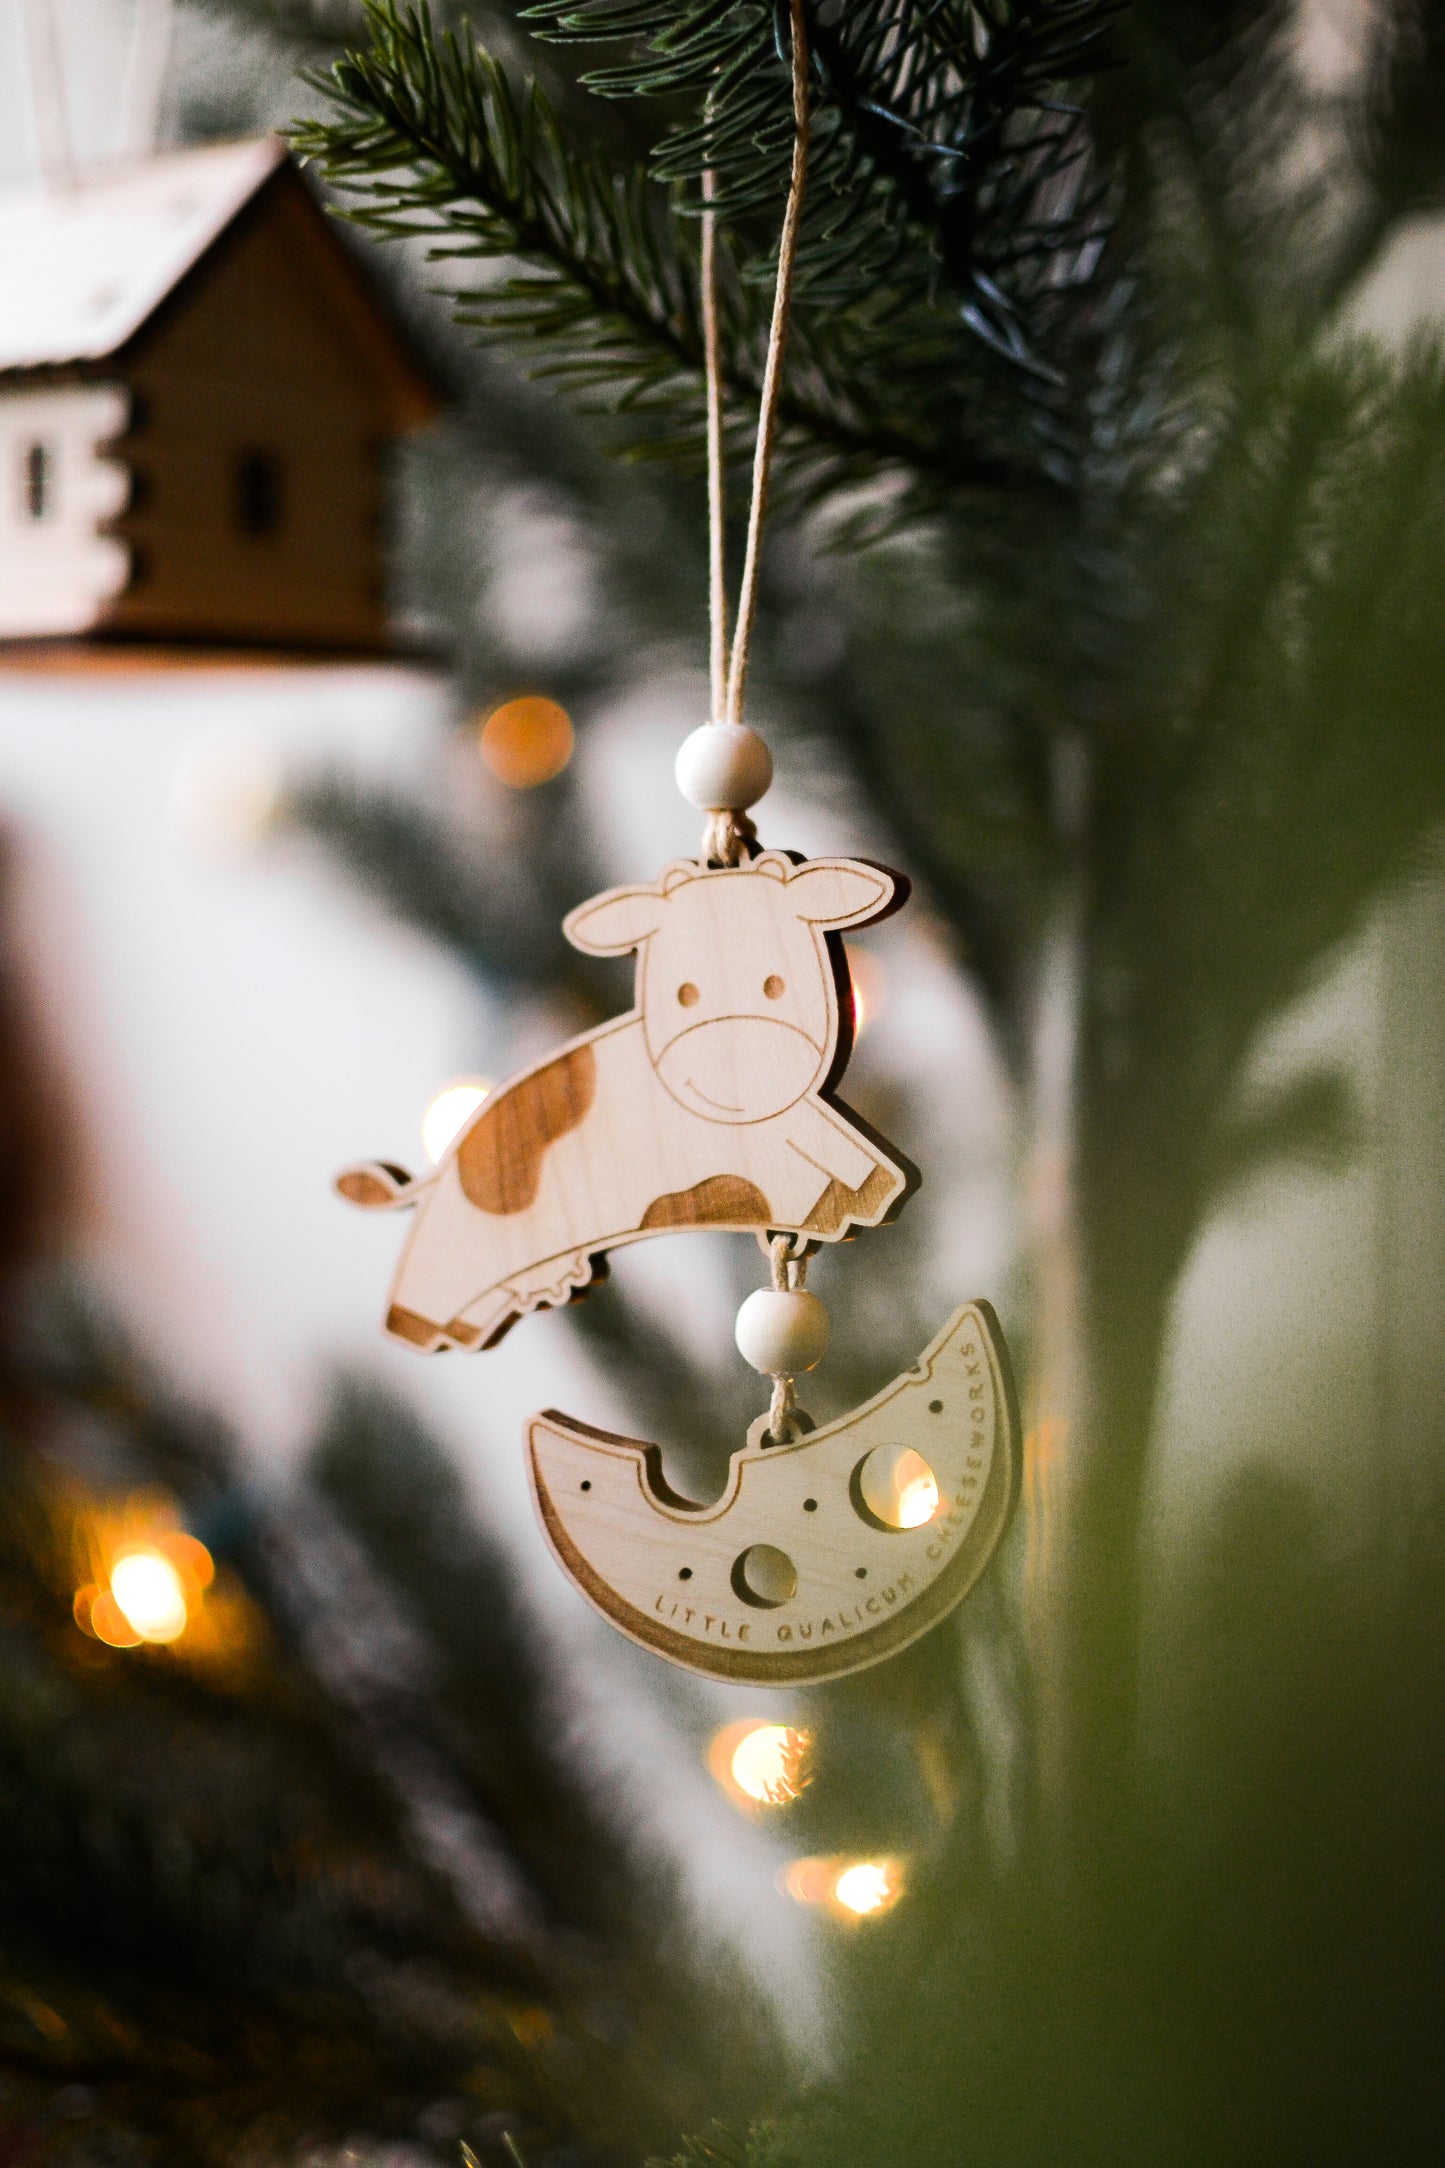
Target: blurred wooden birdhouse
[198,389]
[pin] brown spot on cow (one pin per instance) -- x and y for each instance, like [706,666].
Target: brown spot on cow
[500,1156]
[721,1201]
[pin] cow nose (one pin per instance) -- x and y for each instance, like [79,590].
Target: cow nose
[739,1068]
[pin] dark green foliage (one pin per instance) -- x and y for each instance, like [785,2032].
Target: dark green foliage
[946,163]
[1179,713]
[226,1932]
[767,2145]
[430,139]
[213,1932]
[613,1926]
[601,265]
[1144,680]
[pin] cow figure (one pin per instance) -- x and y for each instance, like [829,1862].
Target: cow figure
[707,1105]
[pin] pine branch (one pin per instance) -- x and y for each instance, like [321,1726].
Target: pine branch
[248,1897]
[947,156]
[507,935]
[1296,770]
[500,1720]
[434,144]
[956,211]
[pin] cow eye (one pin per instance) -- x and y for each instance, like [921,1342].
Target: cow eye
[773,986]
[687,993]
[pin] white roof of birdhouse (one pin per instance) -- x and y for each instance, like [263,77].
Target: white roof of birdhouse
[82,269]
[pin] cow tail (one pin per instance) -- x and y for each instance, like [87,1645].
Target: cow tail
[377,1186]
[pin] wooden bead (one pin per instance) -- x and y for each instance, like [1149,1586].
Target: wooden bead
[723,768]
[782,1331]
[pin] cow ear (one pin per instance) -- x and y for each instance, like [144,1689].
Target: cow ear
[618,920]
[844,891]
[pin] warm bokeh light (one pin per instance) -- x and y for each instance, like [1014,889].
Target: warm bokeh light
[98,1614]
[850,1889]
[917,1499]
[450,1111]
[527,741]
[150,1588]
[867,1887]
[148,1592]
[762,1765]
[898,1487]
[531,2026]
[867,976]
[808,1881]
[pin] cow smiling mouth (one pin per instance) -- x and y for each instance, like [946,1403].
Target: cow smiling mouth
[730,1069]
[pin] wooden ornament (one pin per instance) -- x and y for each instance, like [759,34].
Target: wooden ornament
[821,1557]
[710,1104]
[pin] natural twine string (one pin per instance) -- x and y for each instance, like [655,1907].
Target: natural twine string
[772,369]
[716,508]
[729,835]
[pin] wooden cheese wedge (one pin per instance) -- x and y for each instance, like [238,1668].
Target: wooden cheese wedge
[821,1556]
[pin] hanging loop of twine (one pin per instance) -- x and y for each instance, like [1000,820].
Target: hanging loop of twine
[782,1412]
[728,839]
[730,836]
[716,506]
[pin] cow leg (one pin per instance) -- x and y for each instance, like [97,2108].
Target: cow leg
[485,1320]
[449,1270]
[482,1324]
[409,1326]
[544,1286]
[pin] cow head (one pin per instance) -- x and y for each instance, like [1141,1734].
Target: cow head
[735,983]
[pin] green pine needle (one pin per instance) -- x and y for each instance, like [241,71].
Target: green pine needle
[591,272]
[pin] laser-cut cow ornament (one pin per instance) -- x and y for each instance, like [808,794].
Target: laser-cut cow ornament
[709,1104]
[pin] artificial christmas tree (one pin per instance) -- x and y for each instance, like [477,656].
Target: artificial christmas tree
[1135,661]
[1069,314]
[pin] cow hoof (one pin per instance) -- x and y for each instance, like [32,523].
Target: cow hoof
[419,1332]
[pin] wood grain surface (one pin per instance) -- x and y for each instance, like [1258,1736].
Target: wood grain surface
[674,1576]
[710,1104]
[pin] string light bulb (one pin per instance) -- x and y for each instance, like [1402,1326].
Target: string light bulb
[762,1764]
[867,1887]
[150,1592]
[849,1889]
